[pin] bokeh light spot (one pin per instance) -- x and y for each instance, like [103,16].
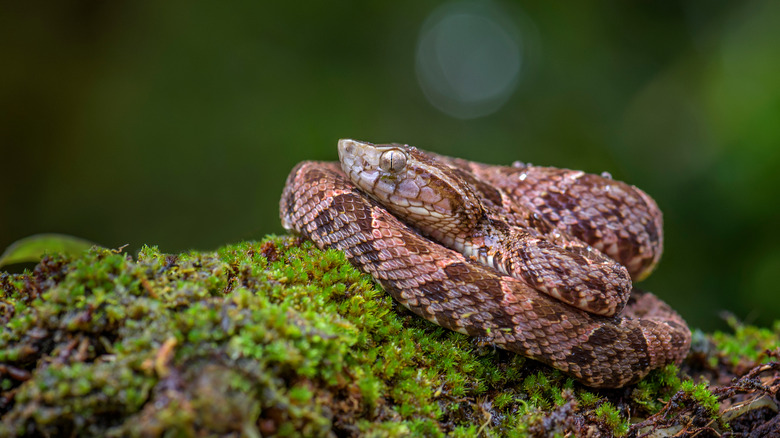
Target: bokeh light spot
[468,60]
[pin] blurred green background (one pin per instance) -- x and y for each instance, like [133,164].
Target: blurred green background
[175,123]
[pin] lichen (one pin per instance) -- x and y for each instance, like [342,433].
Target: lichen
[278,338]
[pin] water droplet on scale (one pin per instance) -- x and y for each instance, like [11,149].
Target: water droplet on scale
[606,175]
[522,176]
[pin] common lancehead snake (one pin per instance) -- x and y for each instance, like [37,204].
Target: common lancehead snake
[535,260]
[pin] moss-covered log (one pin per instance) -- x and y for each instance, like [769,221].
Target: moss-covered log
[279,338]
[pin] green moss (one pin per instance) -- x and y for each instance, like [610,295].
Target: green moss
[587,398]
[611,417]
[302,324]
[501,401]
[657,388]
[266,338]
[746,344]
[702,396]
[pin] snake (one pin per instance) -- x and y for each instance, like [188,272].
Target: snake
[539,261]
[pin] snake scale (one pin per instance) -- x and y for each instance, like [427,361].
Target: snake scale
[536,260]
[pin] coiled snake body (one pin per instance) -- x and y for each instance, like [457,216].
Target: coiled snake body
[535,260]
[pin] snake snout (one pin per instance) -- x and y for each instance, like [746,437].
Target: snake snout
[347,146]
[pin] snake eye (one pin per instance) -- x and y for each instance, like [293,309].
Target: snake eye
[392,160]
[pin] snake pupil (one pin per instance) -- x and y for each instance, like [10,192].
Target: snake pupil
[392,161]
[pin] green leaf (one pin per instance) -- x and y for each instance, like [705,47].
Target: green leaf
[32,248]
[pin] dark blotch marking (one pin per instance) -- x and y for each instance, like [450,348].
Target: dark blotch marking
[485,191]
[638,345]
[433,291]
[365,249]
[351,203]
[457,270]
[581,357]
[597,306]
[604,336]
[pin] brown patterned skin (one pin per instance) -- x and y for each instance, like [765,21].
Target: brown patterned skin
[458,293]
[478,220]
[616,218]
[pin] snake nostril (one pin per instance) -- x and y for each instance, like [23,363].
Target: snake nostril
[347,145]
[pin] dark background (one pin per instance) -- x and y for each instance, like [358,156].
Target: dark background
[175,123]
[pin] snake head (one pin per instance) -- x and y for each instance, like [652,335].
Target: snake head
[422,190]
